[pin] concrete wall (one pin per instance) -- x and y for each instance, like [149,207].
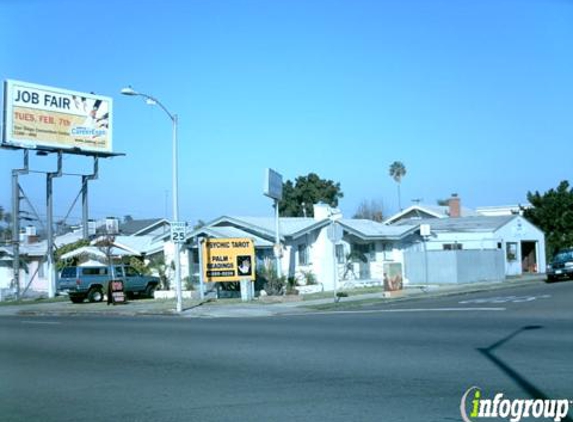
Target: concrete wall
[454,267]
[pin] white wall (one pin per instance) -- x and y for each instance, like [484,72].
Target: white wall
[168,251]
[5,277]
[320,256]
[516,230]
[394,253]
[475,240]
[520,230]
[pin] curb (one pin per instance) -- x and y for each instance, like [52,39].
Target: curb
[265,310]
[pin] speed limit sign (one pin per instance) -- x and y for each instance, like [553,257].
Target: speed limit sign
[178,231]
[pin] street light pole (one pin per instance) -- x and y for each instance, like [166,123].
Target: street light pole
[176,249]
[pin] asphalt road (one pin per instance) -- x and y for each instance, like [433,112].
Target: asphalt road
[409,361]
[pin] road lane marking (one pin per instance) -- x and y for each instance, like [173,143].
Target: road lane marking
[41,322]
[504,299]
[378,311]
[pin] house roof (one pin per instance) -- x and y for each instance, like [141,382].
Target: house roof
[292,227]
[135,227]
[95,252]
[418,211]
[503,209]
[371,230]
[262,229]
[40,248]
[137,245]
[467,224]
[6,254]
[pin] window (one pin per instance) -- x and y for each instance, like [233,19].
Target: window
[452,246]
[303,255]
[340,256]
[368,250]
[94,271]
[131,272]
[511,251]
[387,250]
[68,272]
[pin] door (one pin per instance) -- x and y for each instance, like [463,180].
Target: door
[529,257]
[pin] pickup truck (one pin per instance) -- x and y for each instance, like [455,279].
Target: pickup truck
[91,282]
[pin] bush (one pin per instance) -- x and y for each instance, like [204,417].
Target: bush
[309,278]
[291,286]
[267,278]
[188,284]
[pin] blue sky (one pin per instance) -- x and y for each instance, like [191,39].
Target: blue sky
[475,97]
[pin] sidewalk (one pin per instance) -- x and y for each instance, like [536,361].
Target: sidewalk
[226,308]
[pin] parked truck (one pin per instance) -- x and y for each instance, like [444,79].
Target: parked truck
[91,283]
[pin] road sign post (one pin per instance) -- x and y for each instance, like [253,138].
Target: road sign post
[335,233]
[273,188]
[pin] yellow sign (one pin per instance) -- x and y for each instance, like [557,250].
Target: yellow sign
[55,118]
[228,260]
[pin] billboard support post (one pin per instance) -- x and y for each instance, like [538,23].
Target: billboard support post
[85,179]
[50,226]
[16,220]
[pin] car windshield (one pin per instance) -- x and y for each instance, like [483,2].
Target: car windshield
[564,256]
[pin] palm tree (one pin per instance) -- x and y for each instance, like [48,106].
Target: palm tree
[398,171]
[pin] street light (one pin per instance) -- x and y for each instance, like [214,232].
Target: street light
[152,100]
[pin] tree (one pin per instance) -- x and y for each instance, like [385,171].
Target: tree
[64,249]
[161,269]
[552,212]
[370,210]
[443,202]
[200,224]
[300,196]
[398,171]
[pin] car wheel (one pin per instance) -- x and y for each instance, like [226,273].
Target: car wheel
[77,299]
[149,290]
[550,279]
[95,294]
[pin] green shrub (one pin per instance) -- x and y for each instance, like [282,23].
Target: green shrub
[309,278]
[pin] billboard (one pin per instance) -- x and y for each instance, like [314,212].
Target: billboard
[273,187]
[53,118]
[228,260]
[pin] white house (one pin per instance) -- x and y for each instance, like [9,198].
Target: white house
[360,255]
[522,243]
